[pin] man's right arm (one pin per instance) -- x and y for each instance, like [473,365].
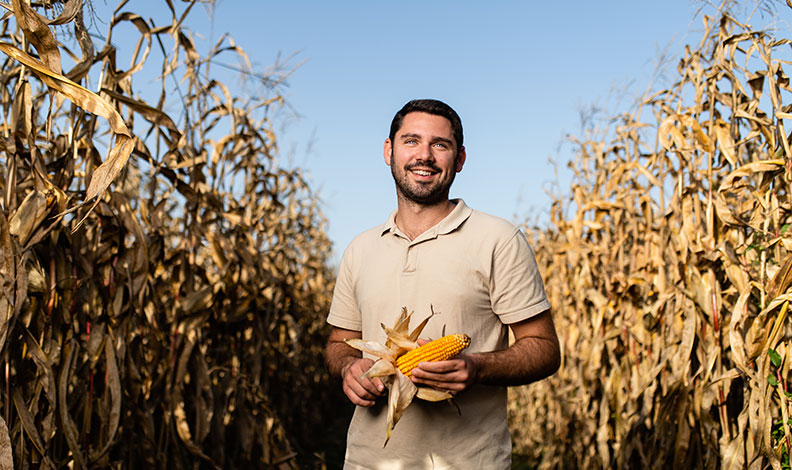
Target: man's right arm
[348,363]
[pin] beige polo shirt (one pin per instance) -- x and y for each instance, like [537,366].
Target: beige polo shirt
[479,272]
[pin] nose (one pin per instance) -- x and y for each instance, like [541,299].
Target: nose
[425,153]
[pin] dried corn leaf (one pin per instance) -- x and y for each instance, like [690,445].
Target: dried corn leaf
[668,322]
[6,455]
[374,348]
[119,154]
[781,280]
[38,33]
[750,169]
[76,93]
[28,216]
[401,393]
[71,9]
[69,427]
[381,368]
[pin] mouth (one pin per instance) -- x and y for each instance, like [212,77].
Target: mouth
[423,172]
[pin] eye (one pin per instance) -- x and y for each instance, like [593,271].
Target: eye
[441,145]
[410,141]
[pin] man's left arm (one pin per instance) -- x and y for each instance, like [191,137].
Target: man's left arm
[534,355]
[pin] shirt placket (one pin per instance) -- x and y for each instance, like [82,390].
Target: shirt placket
[410,281]
[410,259]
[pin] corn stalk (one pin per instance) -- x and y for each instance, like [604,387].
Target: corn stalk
[164,278]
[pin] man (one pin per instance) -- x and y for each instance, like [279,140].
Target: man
[477,271]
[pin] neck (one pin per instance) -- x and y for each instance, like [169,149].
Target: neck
[414,219]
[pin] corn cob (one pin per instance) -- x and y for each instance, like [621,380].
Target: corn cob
[437,350]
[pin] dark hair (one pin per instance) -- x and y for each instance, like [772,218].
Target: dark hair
[436,107]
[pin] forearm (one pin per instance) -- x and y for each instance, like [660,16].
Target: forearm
[527,360]
[339,356]
[348,363]
[534,355]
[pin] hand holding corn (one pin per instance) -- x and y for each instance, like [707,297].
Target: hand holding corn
[454,375]
[398,358]
[361,391]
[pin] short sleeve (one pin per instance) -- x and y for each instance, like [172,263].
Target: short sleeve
[516,287]
[344,311]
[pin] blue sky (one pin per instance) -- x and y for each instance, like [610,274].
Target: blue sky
[518,73]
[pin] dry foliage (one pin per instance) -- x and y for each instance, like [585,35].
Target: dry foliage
[670,280]
[164,279]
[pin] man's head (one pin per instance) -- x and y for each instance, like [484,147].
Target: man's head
[435,107]
[423,151]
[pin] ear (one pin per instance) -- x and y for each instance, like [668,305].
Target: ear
[388,151]
[460,161]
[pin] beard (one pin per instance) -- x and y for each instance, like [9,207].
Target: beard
[423,194]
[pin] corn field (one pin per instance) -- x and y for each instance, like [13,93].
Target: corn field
[669,267]
[164,278]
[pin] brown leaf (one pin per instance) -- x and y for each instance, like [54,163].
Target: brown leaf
[6,454]
[113,384]
[13,280]
[68,426]
[153,115]
[751,169]
[71,8]
[28,423]
[781,280]
[83,38]
[28,216]
[723,211]
[38,33]
[118,156]
[109,169]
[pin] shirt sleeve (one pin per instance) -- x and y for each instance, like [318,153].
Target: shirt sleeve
[344,311]
[516,288]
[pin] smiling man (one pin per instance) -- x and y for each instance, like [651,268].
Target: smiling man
[477,270]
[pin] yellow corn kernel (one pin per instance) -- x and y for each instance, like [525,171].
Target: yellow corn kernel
[437,350]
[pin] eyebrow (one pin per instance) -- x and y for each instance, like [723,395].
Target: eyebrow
[434,139]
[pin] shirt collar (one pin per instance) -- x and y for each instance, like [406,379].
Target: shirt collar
[451,222]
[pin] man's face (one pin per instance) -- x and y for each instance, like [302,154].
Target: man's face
[424,158]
